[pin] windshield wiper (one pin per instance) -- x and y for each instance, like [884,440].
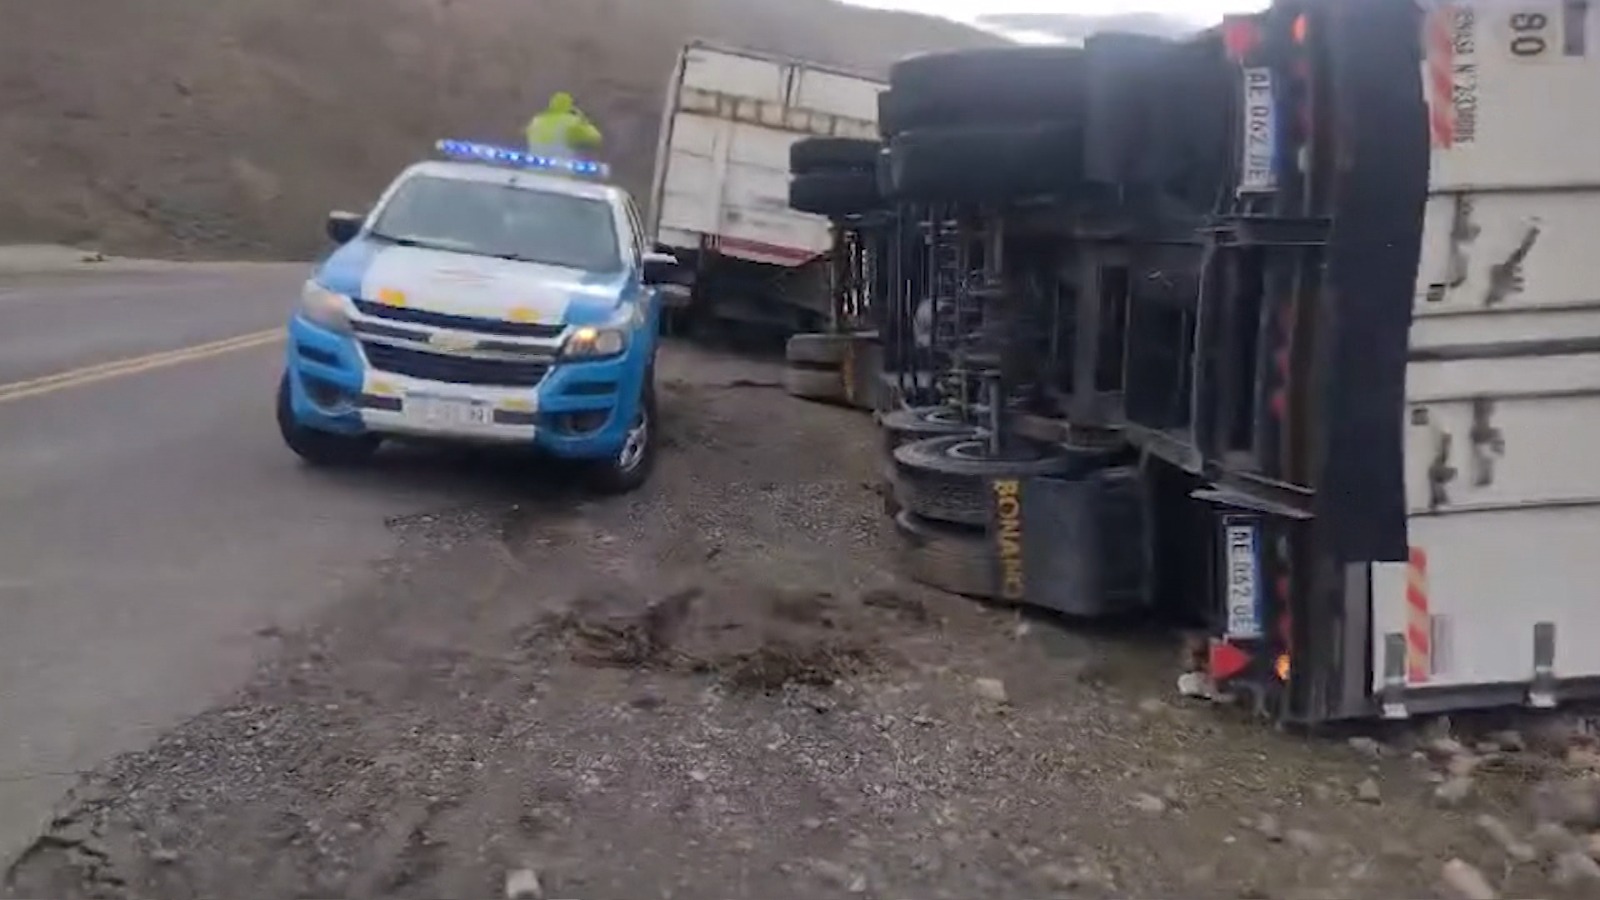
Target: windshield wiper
[401,241]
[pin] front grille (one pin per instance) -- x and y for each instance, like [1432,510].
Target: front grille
[460,323]
[455,369]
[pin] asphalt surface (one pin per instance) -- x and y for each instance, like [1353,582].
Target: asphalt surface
[155,530]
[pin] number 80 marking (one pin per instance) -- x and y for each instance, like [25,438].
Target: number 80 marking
[1527,37]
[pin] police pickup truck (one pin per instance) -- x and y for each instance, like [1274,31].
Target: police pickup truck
[494,296]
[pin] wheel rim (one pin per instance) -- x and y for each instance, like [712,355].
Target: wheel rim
[977,450]
[633,448]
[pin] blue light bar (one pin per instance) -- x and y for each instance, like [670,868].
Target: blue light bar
[473,152]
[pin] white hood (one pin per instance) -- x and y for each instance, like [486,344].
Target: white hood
[480,286]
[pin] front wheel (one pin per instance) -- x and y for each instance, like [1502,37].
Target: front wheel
[629,468]
[323,449]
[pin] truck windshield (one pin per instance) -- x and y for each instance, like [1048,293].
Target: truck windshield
[504,221]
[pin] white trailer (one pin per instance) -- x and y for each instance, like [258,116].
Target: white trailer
[719,199]
[1444,401]
[1502,590]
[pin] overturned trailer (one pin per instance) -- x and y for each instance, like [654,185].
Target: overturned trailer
[1301,341]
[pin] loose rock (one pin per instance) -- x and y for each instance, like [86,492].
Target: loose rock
[523,884]
[1576,868]
[1060,877]
[1517,850]
[1463,881]
[1196,684]
[1453,792]
[834,872]
[1369,792]
[1268,827]
[1463,765]
[1306,841]
[1553,840]
[1149,803]
[1366,746]
[992,689]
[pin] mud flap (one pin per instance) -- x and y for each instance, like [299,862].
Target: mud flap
[1075,545]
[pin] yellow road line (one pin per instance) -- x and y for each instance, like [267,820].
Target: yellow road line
[45,384]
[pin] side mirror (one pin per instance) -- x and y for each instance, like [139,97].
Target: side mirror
[661,268]
[342,227]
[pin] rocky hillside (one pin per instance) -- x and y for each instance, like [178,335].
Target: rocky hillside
[1072,28]
[227,128]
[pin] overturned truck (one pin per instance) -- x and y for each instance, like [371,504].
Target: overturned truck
[1289,330]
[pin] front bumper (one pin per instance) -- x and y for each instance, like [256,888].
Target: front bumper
[579,410]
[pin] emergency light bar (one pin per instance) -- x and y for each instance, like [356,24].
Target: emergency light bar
[473,152]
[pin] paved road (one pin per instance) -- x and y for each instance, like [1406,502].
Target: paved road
[151,524]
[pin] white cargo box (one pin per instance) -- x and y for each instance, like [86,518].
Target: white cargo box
[1503,387]
[722,166]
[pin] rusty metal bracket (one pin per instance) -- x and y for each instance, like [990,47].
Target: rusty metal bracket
[1506,278]
[1440,472]
[1488,442]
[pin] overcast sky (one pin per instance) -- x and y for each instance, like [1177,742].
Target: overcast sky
[1203,12]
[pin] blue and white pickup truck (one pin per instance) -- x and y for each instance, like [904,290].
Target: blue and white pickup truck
[490,296]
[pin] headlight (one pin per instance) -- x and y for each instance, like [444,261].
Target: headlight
[326,308]
[594,343]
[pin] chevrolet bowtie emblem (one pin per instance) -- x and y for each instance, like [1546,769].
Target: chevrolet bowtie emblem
[449,340]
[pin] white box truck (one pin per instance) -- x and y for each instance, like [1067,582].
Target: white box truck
[719,199]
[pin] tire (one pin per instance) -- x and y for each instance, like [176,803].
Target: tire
[946,479]
[956,560]
[835,194]
[987,163]
[321,449]
[988,86]
[920,423]
[814,384]
[630,468]
[831,154]
[817,349]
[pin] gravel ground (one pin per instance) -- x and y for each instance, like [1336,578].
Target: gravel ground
[717,687]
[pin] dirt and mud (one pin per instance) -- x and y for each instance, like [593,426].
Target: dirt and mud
[719,687]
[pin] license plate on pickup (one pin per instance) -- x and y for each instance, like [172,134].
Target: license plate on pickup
[436,412]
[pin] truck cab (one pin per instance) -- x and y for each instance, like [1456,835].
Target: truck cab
[491,296]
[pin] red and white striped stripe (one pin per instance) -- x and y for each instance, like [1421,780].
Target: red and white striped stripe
[1440,47]
[1419,621]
